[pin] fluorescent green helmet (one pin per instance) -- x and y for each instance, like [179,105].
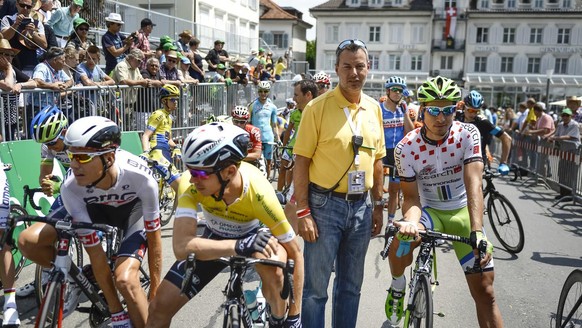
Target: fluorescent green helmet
[439,88]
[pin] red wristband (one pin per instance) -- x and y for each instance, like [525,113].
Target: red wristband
[303,213]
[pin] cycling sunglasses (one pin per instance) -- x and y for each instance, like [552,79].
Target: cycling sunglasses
[201,174]
[470,109]
[395,89]
[263,91]
[447,110]
[84,158]
[239,121]
[347,42]
[54,142]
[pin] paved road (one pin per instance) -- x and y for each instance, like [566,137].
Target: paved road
[527,285]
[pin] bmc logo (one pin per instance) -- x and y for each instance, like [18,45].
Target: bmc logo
[110,198]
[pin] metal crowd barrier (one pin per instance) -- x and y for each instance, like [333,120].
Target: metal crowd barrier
[130,107]
[550,163]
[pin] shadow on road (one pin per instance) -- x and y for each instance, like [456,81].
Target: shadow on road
[557,259]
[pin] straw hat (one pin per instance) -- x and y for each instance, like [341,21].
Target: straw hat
[186,33]
[573,98]
[5,46]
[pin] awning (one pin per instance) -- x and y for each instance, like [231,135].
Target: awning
[524,79]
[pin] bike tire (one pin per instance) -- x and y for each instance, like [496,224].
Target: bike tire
[505,223]
[421,314]
[232,317]
[77,257]
[168,203]
[568,300]
[52,304]
[19,260]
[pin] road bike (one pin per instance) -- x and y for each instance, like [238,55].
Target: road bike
[236,311]
[166,195]
[505,221]
[569,313]
[424,275]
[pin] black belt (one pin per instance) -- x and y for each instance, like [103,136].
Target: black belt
[343,195]
[62,37]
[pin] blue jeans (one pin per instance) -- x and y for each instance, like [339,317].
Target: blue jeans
[344,234]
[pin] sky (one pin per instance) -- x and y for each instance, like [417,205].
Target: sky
[303,6]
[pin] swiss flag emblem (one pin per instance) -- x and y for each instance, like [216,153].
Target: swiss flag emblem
[476,150]
[63,245]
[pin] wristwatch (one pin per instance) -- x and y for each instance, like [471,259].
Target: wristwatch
[379,202]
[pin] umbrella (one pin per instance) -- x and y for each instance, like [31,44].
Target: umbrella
[560,103]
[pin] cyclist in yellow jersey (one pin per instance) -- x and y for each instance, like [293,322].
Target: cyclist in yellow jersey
[235,198]
[157,140]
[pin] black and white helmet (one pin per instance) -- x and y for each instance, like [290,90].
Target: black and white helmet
[215,145]
[96,132]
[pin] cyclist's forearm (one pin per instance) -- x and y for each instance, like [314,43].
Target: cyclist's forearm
[505,147]
[154,259]
[473,185]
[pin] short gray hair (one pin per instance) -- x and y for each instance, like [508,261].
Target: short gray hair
[136,53]
[153,60]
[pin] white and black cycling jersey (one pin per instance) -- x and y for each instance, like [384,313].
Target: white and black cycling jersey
[47,155]
[135,181]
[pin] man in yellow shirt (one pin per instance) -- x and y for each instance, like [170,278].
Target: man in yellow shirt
[338,188]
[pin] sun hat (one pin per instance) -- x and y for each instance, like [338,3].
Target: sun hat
[5,45]
[114,18]
[187,33]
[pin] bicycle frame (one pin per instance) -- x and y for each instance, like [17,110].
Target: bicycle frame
[425,262]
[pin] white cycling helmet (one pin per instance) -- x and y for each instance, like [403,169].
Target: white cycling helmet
[322,77]
[240,113]
[265,85]
[215,145]
[96,132]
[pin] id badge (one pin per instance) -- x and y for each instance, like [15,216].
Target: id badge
[356,182]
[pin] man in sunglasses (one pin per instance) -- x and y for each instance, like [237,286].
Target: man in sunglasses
[169,71]
[115,45]
[337,177]
[264,116]
[236,199]
[440,167]
[473,102]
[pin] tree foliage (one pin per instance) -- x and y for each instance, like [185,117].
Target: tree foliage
[310,53]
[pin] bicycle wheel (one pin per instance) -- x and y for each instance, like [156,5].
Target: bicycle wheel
[505,223]
[569,313]
[232,317]
[19,260]
[168,203]
[421,313]
[50,313]
[76,253]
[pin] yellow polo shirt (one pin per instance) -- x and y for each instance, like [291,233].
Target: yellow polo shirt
[325,136]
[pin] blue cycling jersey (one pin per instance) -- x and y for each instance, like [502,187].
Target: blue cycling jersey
[393,125]
[262,116]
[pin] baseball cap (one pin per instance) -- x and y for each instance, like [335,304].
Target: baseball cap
[170,46]
[219,41]
[566,111]
[185,60]
[220,66]
[147,22]
[78,22]
[261,50]
[78,2]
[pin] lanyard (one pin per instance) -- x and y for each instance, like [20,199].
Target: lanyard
[356,128]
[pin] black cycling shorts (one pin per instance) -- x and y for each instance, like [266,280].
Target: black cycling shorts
[388,160]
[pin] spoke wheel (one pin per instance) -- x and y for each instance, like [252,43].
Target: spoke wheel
[505,223]
[421,313]
[232,318]
[50,313]
[167,203]
[569,304]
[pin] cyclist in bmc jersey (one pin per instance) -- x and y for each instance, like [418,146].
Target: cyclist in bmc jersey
[440,168]
[112,186]
[264,116]
[396,122]
[472,108]
[48,127]
[235,199]
[7,269]
[157,142]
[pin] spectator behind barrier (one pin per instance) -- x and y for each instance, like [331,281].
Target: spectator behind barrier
[114,44]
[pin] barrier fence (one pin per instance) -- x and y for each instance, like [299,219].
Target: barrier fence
[131,106]
[552,164]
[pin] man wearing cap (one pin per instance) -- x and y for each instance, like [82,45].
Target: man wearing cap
[574,103]
[166,48]
[169,71]
[236,74]
[27,58]
[253,59]
[567,140]
[218,75]
[62,21]
[185,64]
[216,56]
[114,44]
[185,38]
[142,42]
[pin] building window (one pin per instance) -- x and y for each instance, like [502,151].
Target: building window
[374,34]
[533,65]
[396,32]
[482,34]
[417,33]
[329,64]
[567,4]
[538,4]
[535,35]
[447,62]
[353,3]
[484,4]
[480,64]
[280,40]
[374,58]
[510,3]
[561,66]
[377,3]
[253,4]
[416,63]
[506,64]
[393,62]
[397,2]
[509,35]
[563,35]
[332,33]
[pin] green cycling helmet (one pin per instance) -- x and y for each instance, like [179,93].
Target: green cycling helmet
[439,88]
[48,124]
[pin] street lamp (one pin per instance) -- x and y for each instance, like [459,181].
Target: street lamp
[549,74]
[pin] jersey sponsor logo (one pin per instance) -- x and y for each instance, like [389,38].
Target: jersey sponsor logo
[140,165]
[428,172]
[111,198]
[125,187]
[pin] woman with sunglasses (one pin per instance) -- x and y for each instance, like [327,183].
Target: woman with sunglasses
[440,168]
[112,186]
[235,198]
[78,40]
[157,142]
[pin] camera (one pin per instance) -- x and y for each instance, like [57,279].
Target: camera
[133,36]
[25,22]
